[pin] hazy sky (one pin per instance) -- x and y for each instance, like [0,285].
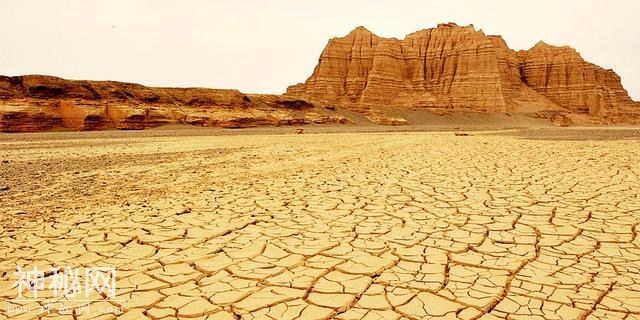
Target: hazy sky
[264,46]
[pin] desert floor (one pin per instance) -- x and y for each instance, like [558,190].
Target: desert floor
[522,224]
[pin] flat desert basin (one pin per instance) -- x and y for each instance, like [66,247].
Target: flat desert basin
[528,224]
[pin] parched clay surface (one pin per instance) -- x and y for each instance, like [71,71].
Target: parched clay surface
[344,226]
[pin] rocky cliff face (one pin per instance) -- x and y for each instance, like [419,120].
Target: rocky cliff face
[37,103]
[455,68]
[560,74]
[444,70]
[448,67]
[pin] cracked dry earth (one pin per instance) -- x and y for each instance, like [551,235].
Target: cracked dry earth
[344,226]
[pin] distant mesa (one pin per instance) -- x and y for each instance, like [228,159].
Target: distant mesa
[39,103]
[445,70]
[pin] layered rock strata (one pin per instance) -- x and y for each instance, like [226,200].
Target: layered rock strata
[443,70]
[454,68]
[38,103]
[561,75]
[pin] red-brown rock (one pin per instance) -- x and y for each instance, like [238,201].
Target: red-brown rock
[37,103]
[452,68]
[442,70]
[560,74]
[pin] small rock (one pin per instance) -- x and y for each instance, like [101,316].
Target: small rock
[4,188]
[5,161]
[461,134]
[18,212]
[184,211]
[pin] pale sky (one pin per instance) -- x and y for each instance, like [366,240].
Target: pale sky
[263,46]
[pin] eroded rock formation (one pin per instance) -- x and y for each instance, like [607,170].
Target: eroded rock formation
[453,68]
[37,103]
[560,74]
[444,70]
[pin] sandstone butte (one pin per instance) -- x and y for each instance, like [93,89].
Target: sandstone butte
[444,70]
[453,68]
